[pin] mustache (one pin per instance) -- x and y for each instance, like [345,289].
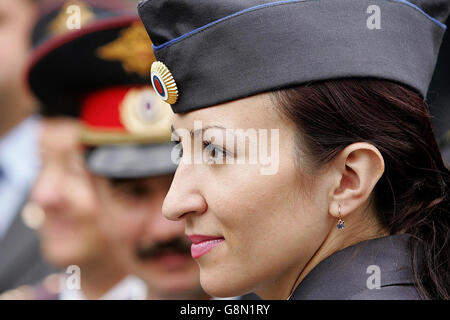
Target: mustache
[176,245]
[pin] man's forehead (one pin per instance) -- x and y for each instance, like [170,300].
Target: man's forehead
[60,136]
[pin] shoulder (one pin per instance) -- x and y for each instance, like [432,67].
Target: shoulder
[47,289]
[376,269]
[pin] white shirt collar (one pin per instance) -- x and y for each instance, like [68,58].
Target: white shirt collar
[129,288]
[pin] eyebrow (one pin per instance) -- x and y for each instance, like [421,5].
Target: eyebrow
[198,131]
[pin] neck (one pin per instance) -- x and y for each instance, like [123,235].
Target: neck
[283,286]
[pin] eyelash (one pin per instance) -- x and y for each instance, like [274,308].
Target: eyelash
[206,145]
[177,144]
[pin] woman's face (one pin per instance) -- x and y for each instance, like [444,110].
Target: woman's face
[271,224]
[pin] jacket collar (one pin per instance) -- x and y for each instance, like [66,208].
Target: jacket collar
[352,270]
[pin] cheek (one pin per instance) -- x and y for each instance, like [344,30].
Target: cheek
[78,188]
[125,224]
[14,50]
[269,222]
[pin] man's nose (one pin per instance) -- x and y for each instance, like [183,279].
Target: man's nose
[48,191]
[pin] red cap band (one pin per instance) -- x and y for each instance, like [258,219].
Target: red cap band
[100,109]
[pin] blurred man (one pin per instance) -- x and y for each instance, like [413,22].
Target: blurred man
[20,261]
[70,234]
[132,180]
[63,205]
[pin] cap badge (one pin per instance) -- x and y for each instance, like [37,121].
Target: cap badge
[142,113]
[164,83]
[132,48]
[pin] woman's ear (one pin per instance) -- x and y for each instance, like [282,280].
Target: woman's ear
[357,169]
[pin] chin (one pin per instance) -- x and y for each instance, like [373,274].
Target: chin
[222,287]
[179,285]
[177,290]
[60,256]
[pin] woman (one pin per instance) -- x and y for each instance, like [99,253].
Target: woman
[358,205]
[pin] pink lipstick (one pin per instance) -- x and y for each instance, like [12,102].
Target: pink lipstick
[203,244]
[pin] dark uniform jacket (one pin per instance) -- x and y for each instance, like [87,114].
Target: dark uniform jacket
[373,269]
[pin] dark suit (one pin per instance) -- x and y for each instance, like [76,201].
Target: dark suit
[20,258]
[349,274]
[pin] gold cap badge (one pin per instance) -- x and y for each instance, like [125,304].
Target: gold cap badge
[164,83]
[142,113]
[133,48]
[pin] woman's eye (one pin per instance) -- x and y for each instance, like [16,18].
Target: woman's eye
[178,149]
[214,154]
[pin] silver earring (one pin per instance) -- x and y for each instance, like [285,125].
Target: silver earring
[340,223]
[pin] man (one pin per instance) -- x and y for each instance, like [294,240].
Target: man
[132,180]
[63,204]
[101,72]
[20,261]
[65,207]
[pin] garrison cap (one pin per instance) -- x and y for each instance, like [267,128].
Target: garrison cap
[99,73]
[213,51]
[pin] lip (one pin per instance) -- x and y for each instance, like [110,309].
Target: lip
[202,244]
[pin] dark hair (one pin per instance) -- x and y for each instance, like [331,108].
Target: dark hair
[412,196]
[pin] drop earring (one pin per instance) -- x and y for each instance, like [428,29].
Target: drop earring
[340,223]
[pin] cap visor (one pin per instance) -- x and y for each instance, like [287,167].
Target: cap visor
[131,161]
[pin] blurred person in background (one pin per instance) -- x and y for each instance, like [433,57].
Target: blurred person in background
[132,175]
[70,234]
[132,171]
[20,260]
[63,196]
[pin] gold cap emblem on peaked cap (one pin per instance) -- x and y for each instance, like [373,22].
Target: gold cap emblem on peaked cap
[143,113]
[133,48]
[163,82]
[66,20]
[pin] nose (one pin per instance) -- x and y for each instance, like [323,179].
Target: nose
[184,197]
[47,191]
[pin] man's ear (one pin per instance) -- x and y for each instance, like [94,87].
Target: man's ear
[357,169]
